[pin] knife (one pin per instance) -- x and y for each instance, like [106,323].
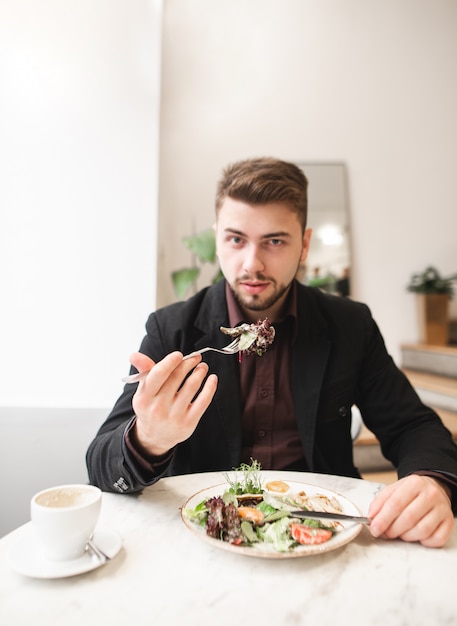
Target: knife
[332,516]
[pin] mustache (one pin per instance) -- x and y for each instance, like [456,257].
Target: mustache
[256,277]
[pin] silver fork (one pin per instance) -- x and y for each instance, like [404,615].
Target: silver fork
[232,348]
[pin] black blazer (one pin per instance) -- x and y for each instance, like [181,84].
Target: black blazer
[339,359]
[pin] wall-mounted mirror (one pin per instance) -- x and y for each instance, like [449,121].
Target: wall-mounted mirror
[329,261]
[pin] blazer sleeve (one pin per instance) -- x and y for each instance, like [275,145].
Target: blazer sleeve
[411,434]
[110,463]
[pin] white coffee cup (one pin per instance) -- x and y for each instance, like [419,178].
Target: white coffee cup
[64,518]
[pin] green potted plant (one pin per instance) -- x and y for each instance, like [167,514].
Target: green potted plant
[433,295]
[203,248]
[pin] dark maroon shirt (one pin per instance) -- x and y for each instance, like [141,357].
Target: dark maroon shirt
[268,423]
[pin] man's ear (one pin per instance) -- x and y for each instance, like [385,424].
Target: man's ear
[215,235]
[306,244]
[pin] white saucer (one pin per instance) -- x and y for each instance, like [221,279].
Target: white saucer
[26,556]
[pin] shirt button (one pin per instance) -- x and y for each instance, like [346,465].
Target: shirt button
[261,433]
[343,411]
[264,393]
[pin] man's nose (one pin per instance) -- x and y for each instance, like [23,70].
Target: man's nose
[253,261]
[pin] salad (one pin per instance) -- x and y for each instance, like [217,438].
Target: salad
[251,514]
[254,338]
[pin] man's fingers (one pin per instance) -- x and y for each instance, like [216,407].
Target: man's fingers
[204,398]
[440,535]
[175,376]
[384,508]
[416,508]
[184,393]
[142,362]
[165,375]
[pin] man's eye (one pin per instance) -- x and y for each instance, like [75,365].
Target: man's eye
[236,240]
[276,242]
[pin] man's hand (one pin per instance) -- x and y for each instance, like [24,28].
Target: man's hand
[416,508]
[168,407]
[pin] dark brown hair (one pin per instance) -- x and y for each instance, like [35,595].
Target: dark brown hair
[265,180]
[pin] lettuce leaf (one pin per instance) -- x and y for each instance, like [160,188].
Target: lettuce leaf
[278,534]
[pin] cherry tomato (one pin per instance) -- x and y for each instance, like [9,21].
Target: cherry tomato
[277,485]
[307,535]
[251,514]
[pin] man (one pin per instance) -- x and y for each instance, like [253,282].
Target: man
[291,407]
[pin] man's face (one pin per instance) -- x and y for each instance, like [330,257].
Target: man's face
[260,248]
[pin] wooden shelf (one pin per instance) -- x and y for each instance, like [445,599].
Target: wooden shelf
[425,347]
[381,477]
[449,419]
[432,382]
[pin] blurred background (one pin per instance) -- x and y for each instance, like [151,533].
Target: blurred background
[116,119]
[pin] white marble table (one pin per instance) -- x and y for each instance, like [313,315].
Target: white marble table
[165,575]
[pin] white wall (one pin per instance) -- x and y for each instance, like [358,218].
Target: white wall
[79,114]
[365,82]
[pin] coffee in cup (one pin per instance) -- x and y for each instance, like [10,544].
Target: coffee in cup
[64,518]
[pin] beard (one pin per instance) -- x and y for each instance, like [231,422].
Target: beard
[258,302]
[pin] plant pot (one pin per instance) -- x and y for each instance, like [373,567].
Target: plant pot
[433,311]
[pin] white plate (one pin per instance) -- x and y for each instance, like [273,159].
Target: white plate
[26,556]
[348,530]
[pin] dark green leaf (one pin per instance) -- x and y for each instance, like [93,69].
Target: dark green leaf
[203,245]
[183,280]
[430,281]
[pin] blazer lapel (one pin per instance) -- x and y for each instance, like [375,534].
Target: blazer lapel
[226,402]
[309,360]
